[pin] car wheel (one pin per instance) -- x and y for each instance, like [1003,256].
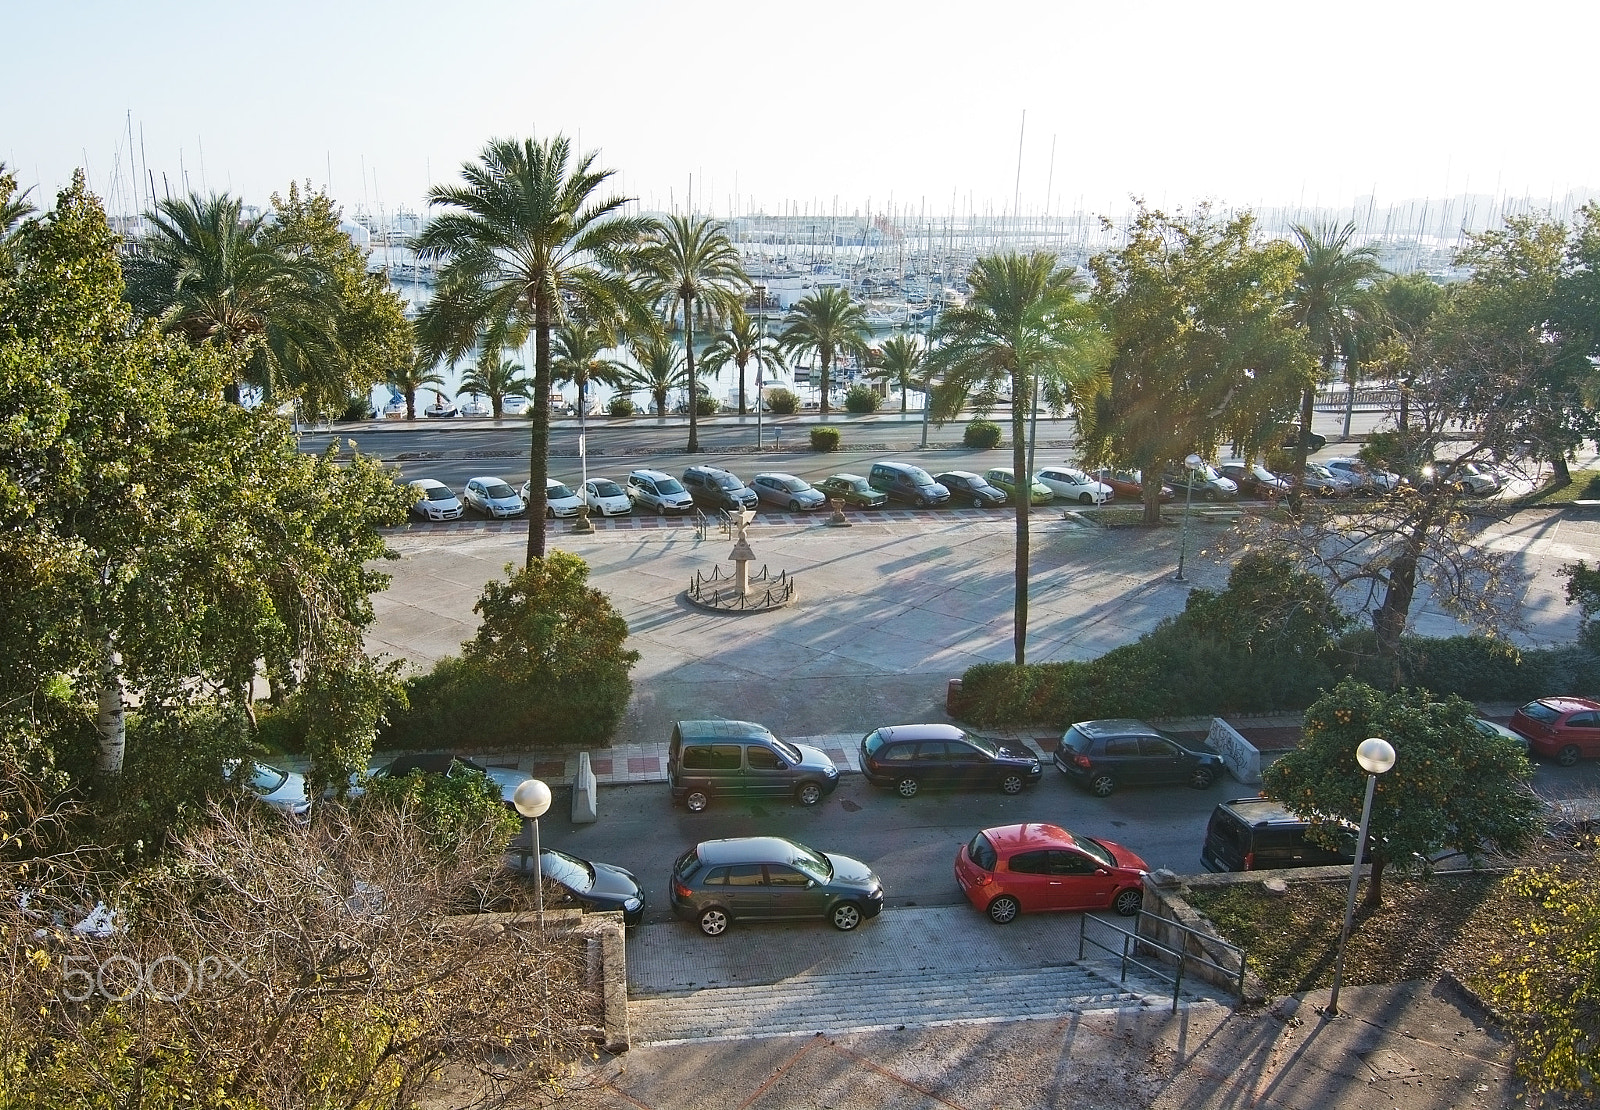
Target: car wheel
[1210,495]
[794,506]
[922,502]
[1128,902]
[696,801]
[1202,777]
[1004,909]
[1102,785]
[906,787]
[713,921]
[1568,755]
[845,916]
[977,502]
[549,513]
[808,794]
[1011,784]
[1085,499]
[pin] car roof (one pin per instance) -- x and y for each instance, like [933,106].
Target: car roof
[1116,726]
[653,475]
[745,849]
[847,477]
[778,474]
[429,483]
[717,729]
[488,478]
[1262,811]
[961,474]
[921,732]
[1010,838]
[1568,705]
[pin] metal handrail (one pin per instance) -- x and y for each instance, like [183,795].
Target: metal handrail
[702,525]
[1180,958]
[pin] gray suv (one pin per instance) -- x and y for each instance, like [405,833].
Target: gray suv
[708,759]
[661,492]
[718,488]
[771,878]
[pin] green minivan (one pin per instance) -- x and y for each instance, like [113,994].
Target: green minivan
[709,759]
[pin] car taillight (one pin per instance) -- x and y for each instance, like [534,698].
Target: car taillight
[1249,861]
[1081,760]
[679,890]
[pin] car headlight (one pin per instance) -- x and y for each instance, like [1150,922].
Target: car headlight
[632,905]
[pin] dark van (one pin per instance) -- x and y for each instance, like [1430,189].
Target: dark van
[904,482]
[1255,834]
[708,759]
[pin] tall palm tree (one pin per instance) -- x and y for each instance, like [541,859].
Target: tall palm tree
[577,351]
[14,208]
[209,277]
[899,362]
[692,262]
[413,377]
[496,378]
[1326,294]
[1024,323]
[661,365]
[740,343]
[525,238]
[827,323]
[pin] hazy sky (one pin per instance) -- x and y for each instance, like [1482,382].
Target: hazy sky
[767,104]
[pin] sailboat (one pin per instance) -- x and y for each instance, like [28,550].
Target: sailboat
[440,409]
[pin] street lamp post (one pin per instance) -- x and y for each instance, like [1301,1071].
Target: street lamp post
[1193,463]
[532,799]
[1376,756]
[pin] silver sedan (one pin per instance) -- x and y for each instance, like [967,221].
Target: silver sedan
[794,494]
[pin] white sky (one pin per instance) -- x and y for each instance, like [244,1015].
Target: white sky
[803,102]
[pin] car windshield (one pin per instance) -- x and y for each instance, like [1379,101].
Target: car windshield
[788,750]
[981,743]
[1209,473]
[668,485]
[1262,474]
[1096,849]
[1318,470]
[861,485]
[812,862]
[1077,476]
[267,780]
[497,490]
[872,742]
[728,481]
[793,485]
[920,476]
[573,873]
[557,490]
[607,489]
[1539,711]
[440,493]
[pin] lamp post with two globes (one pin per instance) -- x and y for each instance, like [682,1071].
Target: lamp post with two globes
[1376,756]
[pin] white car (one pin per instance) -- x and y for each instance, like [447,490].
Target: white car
[559,500]
[284,791]
[1074,485]
[605,497]
[493,498]
[435,501]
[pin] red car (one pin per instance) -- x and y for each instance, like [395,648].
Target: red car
[1126,483]
[1016,869]
[1565,729]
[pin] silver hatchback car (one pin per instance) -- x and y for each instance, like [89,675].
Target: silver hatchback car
[794,494]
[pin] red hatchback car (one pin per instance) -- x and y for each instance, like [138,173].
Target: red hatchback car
[1016,869]
[1565,729]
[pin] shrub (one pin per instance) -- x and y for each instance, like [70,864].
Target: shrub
[861,399]
[824,438]
[782,402]
[981,434]
[621,406]
[706,406]
[1475,667]
[449,810]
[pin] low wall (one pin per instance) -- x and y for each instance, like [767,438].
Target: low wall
[585,793]
[1242,758]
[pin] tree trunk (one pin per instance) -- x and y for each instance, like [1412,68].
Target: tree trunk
[539,434]
[826,354]
[694,392]
[1019,635]
[111,720]
[1374,895]
[742,362]
[661,402]
[1302,449]
[1389,622]
[1561,476]
[1151,491]
[411,404]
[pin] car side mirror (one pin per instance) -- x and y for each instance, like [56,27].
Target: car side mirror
[1101,871]
[810,883]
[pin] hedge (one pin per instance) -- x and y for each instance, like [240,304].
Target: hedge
[981,434]
[824,439]
[861,399]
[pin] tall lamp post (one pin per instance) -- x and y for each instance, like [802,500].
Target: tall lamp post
[1193,463]
[532,799]
[1376,756]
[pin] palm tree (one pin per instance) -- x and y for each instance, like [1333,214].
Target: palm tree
[661,365]
[495,378]
[899,362]
[827,323]
[577,349]
[1326,293]
[525,238]
[413,377]
[1024,323]
[692,262]
[14,208]
[209,278]
[740,343]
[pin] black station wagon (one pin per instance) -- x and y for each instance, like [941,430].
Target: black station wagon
[909,757]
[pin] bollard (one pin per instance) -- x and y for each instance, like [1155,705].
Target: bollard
[952,698]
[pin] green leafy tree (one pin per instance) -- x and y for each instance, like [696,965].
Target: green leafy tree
[660,368]
[578,351]
[526,238]
[495,378]
[1024,324]
[1203,352]
[742,343]
[826,323]
[692,264]
[413,376]
[1407,305]
[1452,786]
[898,363]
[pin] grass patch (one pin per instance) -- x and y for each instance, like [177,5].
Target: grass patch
[1585,486]
[1424,926]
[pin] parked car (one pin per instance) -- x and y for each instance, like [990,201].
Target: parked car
[1206,483]
[1563,729]
[605,497]
[794,494]
[493,498]
[1071,484]
[1324,482]
[904,482]
[1251,834]
[1489,728]
[435,501]
[1363,478]
[715,759]
[284,791]
[965,486]
[1102,755]
[1016,869]
[718,882]
[1255,480]
[658,491]
[909,757]
[1291,438]
[718,489]
[443,763]
[1004,478]
[559,498]
[853,489]
[1475,479]
[593,886]
[1126,483]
